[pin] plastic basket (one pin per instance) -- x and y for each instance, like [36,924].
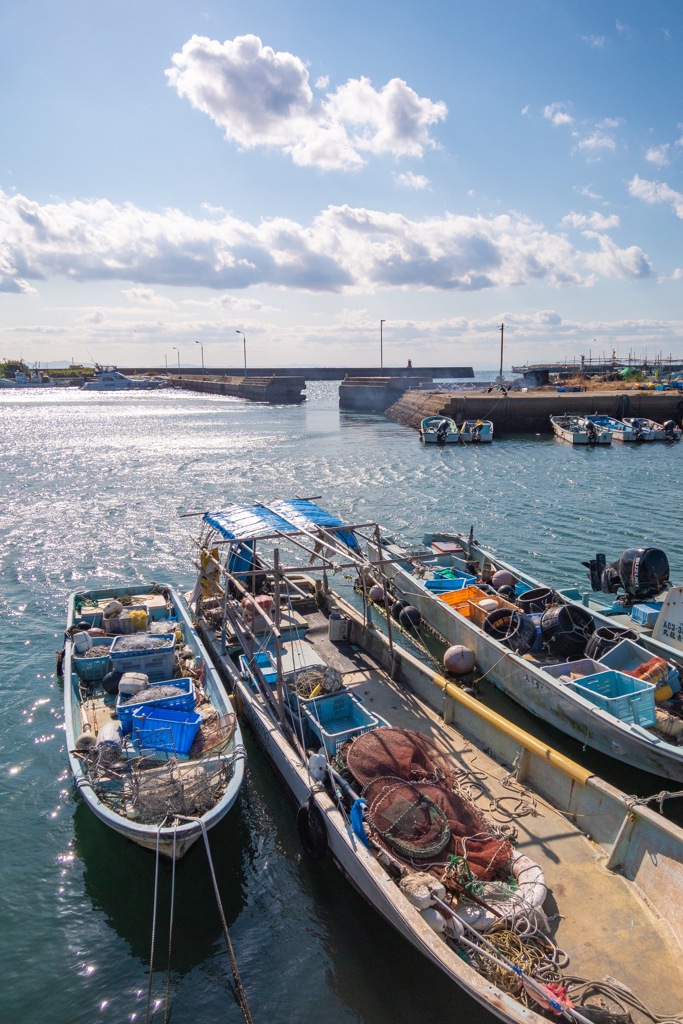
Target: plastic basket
[626,698]
[264,662]
[460,599]
[170,731]
[156,662]
[645,614]
[181,702]
[336,718]
[94,669]
[627,655]
[581,667]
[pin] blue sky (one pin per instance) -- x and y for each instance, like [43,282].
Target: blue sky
[173,173]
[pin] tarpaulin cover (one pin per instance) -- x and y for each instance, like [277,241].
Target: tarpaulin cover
[248,522]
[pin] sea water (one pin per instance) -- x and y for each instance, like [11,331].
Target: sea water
[109,487]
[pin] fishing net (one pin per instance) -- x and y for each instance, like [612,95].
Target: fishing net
[173,788]
[406,819]
[413,808]
[397,752]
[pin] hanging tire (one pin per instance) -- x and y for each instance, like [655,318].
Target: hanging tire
[511,628]
[312,831]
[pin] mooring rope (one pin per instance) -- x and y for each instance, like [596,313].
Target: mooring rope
[154,925]
[239,988]
[167,1006]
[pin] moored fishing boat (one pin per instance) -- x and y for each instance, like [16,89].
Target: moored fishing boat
[153,742]
[476,431]
[619,430]
[439,430]
[578,430]
[536,646]
[650,430]
[380,756]
[108,378]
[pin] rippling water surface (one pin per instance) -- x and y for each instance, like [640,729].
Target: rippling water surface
[93,488]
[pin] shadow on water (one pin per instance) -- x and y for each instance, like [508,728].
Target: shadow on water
[119,880]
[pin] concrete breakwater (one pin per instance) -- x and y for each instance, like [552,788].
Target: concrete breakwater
[278,390]
[524,413]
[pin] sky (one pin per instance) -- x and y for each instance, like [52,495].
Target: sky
[312,184]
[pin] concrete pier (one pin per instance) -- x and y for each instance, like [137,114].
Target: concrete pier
[375,394]
[524,413]
[285,390]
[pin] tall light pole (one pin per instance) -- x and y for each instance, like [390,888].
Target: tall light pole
[202,348]
[166,358]
[381,348]
[176,349]
[244,340]
[502,331]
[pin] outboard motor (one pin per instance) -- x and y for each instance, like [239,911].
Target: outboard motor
[670,430]
[641,572]
[591,432]
[476,432]
[638,427]
[442,432]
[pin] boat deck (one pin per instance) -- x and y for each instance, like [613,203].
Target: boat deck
[593,912]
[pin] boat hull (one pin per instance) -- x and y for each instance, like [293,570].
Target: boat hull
[175,841]
[537,691]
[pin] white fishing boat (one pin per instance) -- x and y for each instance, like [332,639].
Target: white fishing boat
[579,430]
[154,745]
[619,430]
[419,793]
[439,430]
[32,379]
[535,645]
[650,430]
[108,378]
[476,431]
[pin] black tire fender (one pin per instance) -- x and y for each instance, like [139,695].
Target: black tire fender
[312,830]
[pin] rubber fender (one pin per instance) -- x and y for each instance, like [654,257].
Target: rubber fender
[511,628]
[312,830]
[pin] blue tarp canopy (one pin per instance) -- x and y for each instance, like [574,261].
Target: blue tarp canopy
[249,522]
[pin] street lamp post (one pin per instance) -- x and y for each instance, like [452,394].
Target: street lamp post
[202,348]
[244,340]
[176,349]
[381,348]
[166,358]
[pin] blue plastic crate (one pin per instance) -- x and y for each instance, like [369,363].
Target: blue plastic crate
[181,702]
[264,662]
[94,669]
[336,718]
[170,731]
[155,662]
[624,697]
[645,614]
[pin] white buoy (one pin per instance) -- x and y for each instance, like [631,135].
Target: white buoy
[488,604]
[459,660]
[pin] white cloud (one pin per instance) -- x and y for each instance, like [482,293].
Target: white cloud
[597,141]
[658,155]
[595,42]
[653,192]
[342,249]
[557,115]
[593,222]
[260,97]
[410,180]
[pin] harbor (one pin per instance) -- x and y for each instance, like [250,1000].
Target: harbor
[67,873]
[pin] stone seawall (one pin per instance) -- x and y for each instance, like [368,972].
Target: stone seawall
[523,413]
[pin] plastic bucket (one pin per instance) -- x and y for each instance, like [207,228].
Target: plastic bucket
[511,628]
[566,629]
[605,638]
[536,600]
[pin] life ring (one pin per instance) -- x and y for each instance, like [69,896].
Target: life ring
[312,831]
[529,897]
